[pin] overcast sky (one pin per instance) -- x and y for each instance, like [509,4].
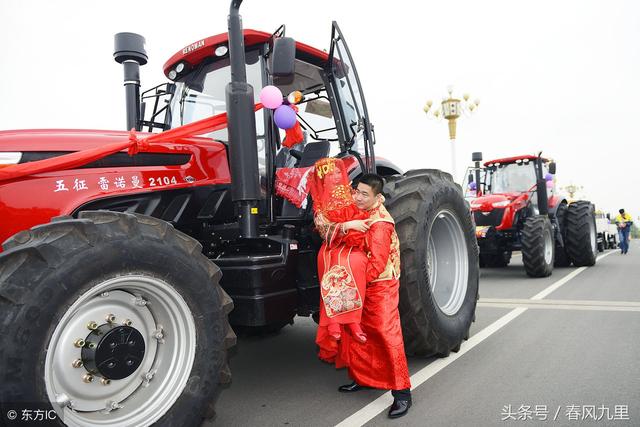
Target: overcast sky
[558,76]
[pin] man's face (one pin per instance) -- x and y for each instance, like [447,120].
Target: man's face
[364,197]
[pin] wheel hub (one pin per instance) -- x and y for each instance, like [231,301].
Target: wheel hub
[114,352]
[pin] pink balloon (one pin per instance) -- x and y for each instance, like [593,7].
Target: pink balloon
[285,117]
[271,97]
[549,184]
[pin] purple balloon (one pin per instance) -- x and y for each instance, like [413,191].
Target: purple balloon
[472,186]
[548,177]
[285,117]
[271,97]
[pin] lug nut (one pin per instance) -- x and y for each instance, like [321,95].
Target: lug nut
[87,378]
[77,363]
[79,343]
[111,318]
[92,325]
[105,381]
[91,345]
[127,322]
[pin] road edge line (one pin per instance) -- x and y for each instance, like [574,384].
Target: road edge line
[374,408]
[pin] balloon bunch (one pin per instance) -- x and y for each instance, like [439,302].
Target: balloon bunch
[549,178]
[285,114]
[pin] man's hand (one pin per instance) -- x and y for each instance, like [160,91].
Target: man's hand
[361,225]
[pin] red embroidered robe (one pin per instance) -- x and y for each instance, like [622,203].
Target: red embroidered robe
[341,259]
[381,361]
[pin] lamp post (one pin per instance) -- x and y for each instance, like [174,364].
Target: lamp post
[451,109]
[572,189]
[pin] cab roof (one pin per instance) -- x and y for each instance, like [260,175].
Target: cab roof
[194,53]
[507,160]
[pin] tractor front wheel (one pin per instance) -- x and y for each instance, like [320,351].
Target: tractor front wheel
[114,319]
[538,246]
[439,260]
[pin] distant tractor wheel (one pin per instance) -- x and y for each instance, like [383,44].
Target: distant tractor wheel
[601,243]
[538,246]
[582,246]
[114,319]
[495,260]
[560,258]
[439,258]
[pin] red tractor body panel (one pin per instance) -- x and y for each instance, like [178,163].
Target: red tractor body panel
[36,199]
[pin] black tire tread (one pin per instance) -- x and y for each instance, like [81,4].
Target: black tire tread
[405,194]
[32,255]
[533,246]
[579,215]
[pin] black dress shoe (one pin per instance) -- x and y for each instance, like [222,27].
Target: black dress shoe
[399,408]
[349,388]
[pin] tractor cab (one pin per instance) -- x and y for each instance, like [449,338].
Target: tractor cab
[331,109]
[509,185]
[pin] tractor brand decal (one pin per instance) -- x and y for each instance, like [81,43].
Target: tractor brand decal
[481,231]
[163,180]
[192,47]
[105,184]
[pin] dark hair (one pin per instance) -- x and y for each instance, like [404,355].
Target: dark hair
[376,182]
[621,211]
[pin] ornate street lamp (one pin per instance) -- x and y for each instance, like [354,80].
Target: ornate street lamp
[572,189]
[451,109]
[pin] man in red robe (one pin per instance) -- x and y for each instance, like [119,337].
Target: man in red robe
[380,362]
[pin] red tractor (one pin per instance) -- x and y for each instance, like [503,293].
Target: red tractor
[120,273]
[516,208]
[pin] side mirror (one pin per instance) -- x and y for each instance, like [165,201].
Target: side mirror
[284,56]
[476,156]
[552,168]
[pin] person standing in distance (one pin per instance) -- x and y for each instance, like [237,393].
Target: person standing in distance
[624,221]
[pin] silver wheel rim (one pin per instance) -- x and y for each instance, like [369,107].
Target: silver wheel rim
[548,247]
[593,236]
[166,323]
[447,261]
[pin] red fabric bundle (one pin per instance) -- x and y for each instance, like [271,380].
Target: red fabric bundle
[293,184]
[294,134]
[332,197]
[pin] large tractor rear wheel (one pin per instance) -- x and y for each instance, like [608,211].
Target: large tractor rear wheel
[538,246]
[582,244]
[439,260]
[114,319]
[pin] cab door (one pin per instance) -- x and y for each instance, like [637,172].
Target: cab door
[354,128]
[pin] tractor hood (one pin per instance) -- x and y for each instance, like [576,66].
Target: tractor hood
[38,144]
[67,140]
[57,139]
[488,202]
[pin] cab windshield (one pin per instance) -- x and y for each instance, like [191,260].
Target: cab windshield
[512,178]
[201,93]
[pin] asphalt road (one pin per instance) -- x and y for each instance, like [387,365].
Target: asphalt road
[562,350]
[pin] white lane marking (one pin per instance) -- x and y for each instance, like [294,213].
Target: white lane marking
[561,306]
[565,279]
[374,408]
[552,302]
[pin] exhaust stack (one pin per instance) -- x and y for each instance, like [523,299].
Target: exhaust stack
[243,151]
[129,51]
